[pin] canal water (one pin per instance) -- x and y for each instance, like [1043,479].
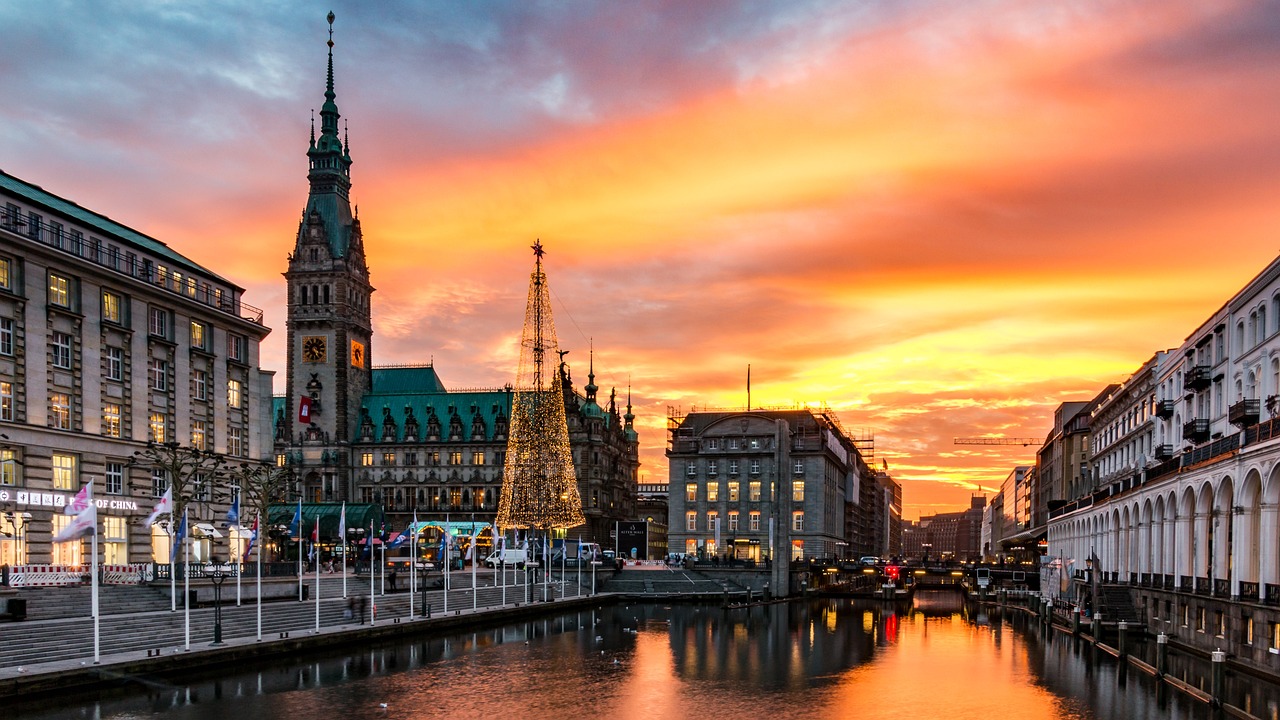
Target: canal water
[803,659]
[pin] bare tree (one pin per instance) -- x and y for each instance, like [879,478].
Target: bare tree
[261,485]
[195,476]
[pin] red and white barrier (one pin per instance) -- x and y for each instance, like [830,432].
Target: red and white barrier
[55,575]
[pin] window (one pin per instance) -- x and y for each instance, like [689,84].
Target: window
[733,443]
[691,521]
[112,307]
[281,459]
[158,322]
[114,478]
[235,347]
[713,492]
[115,540]
[755,491]
[68,553]
[433,458]
[798,469]
[9,466]
[234,389]
[60,351]
[691,492]
[6,336]
[198,437]
[411,458]
[199,384]
[477,457]
[59,290]
[755,522]
[797,490]
[156,427]
[111,420]
[712,518]
[235,442]
[65,475]
[733,492]
[198,332]
[113,357]
[713,444]
[755,443]
[691,469]
[733,521]
[157,374]
[755,467]
[366,459]
[713,468]
[6,401]
[733,467]
[388,458]
[6,274]
[1275,636]
[797,520]
[455,457]
[60,411]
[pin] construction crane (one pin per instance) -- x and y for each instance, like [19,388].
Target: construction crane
[1023,441]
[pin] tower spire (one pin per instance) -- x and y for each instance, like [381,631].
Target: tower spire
[330,168]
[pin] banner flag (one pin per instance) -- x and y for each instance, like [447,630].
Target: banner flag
[84,523]
[304,410]
[163,505]
[80,501]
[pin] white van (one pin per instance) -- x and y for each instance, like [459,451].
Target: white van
[510,556]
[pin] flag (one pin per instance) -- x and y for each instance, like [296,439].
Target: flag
[399,540]
[163,505]
[84,523]
[498,540]
[233,514]
[471,548]
[253,536]
[315,534]
[382,532]
[342,523]
[304,410]
[180,534]
[80,501]
[582,550]
[295,525]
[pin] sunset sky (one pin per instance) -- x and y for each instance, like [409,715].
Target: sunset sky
[940,218]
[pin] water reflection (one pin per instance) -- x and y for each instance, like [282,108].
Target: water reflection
[789,660]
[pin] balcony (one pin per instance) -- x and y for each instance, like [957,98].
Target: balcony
[1164,409]
[1164,452]
[1196,431]
[1198,377]
[1244,413]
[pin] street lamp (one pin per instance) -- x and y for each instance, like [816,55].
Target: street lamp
[217,577]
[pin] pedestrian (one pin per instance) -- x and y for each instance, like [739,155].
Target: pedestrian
[350,612]
[360,608]
[392,578]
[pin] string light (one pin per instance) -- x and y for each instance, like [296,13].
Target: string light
[539,486]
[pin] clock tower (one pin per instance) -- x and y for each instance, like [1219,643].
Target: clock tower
[329,330]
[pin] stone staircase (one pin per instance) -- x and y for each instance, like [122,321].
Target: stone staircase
[1116,604]
[47,603]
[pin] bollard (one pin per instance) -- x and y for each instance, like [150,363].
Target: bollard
[428,610]
[1048,612]
[1219,660]
[1075,622]
[764,597]
[1162,654]
[1123,628]
[1097,628]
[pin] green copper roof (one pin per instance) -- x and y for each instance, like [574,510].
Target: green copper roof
[403,380]
[490,404]
[109,228]
[279,404]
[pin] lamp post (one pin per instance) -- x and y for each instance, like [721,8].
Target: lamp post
[217,577]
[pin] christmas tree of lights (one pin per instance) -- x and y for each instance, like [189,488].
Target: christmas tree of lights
[539,486]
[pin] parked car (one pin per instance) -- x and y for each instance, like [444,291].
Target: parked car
[870,561]
[508,556]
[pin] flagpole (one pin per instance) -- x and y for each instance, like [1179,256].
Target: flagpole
[93,570]
[257,528]
[173,564]
[186,584]
[448,560]
[239,561]
[475,592]
[315,550]
[369,542]
[300,573]
[413,564]
[343,533]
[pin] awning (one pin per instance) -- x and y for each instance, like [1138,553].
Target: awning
[1026,538]
[207,530]
[359,515]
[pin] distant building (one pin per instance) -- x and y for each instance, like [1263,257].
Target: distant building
[770,479]
[954,535]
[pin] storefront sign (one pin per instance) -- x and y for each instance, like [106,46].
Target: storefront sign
[32,498]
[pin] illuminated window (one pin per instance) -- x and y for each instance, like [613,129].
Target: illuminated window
[10,468]
[797,490]
[112,307]
[281,459]
[755,522]
[691,492]
[66,553]
[156,427]
[115,540]
[234,390]
[198,335]
[477,457]
[198,438]
[713,492]
[59,290]
[366,459]
[733,492]
[455,457]
[691,521]
[6,401]
[60,411]
[754,491]
[111,420]
[6,274]
[388,458]
[797,520]
[65,475]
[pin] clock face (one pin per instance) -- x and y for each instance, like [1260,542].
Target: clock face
[357,354]
[314,349]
